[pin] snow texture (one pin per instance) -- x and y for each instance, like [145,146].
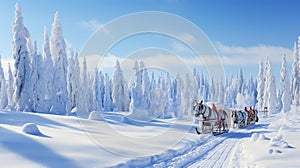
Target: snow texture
[31,128]
[96,115]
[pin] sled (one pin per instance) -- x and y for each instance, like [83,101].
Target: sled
[213,120]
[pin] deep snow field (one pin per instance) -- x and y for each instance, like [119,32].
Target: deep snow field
[112,140]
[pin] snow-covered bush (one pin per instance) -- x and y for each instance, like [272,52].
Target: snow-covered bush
[31,128]
[96,115]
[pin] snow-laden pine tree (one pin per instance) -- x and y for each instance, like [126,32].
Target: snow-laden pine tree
[260,86]
[146,88]
[82,100]
[107,102]
[119,89]
[71,76]
[136,89]
[213,91]
[58,52]
[10,89]
[240,81]
[21,65]
[285,87]
[270,98]
[37,81]
[98,91]
[76,82]
[295,85]
[177,83]
[185,104]
[252,91]
[48,69]
[221,93]
[3,88]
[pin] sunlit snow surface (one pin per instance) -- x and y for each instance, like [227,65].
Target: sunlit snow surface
[118,141]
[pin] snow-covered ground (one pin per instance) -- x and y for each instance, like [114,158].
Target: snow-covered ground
[43,140]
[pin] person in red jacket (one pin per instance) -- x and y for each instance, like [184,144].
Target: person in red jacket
[214,107]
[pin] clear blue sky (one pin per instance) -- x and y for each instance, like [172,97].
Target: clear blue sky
[230,23]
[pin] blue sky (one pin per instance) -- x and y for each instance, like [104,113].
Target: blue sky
[240,30]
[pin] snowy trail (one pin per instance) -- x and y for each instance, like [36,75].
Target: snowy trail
[218,156]
[211,151]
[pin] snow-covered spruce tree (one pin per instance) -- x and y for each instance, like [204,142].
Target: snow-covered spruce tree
[221,92]
[240,81]
[213,91]
[146,89]
[76,87]
[295,85]
[136,89]
[107,102]
[185,95]
[37,81]
[48,67]
[21,65]
[285,87]
[58,52]
[270,98]
[3,88]
[71,75]
[91,103]
[98,91]
[82,101]
[10,89]
[152,109]
[260,86]
[177,83]
[119,89]
[252,91]
[168,111]
[48,71]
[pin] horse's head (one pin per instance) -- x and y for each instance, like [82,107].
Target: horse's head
[234,115]
[198,108]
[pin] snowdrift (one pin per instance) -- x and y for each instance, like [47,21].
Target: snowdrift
[96,115]
[31,128]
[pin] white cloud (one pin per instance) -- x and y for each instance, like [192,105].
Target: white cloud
[187,37]
[91,25]
[158,62]
[236,55]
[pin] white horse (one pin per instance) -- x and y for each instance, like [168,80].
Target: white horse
[239,118]
[210,120]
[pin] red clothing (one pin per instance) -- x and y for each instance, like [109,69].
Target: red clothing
[214,107]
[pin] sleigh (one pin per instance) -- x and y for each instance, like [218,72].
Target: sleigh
[211,120]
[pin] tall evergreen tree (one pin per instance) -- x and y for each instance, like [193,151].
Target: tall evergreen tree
[48,67]
[37,82]
[3,88]
[119,89]
[295,85]
[10,89]
[260,86]
[21,59]
[285,87]
[107,102]
[58,52]
[270,98]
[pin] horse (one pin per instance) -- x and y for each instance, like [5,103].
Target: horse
[239,118]
[214,120]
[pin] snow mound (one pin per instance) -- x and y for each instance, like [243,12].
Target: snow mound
[277,138]
[96,115]
[137,115]
[255,137]
[31,128]
[263,137]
